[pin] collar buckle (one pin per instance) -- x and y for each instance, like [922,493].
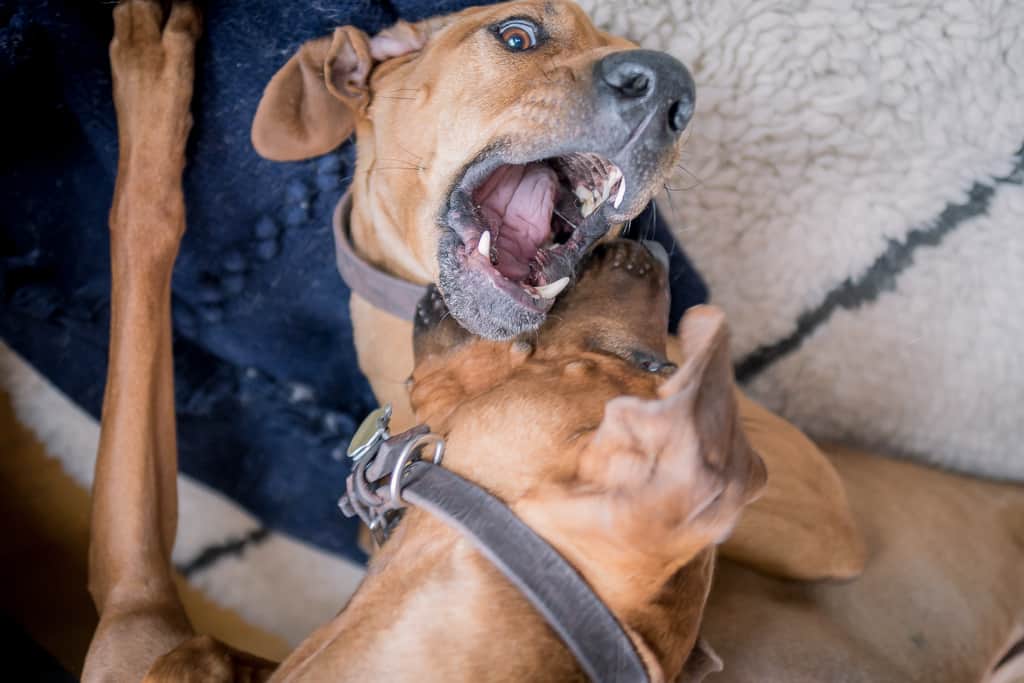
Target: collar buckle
[381,465]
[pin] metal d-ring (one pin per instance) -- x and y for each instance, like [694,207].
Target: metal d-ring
[404,459]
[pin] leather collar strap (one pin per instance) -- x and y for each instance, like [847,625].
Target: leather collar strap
[387,292]
[554,588]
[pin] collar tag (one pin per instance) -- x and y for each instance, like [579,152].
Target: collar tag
[371,434]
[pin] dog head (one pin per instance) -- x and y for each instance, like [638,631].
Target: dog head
[631,467]
[633,464]
[495,146]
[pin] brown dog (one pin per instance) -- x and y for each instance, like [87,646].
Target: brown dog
[494,147]
[619,460]
[632,471]
[458,135]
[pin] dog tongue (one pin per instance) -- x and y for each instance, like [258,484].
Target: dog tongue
[517,201]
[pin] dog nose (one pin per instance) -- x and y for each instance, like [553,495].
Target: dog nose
[637,80]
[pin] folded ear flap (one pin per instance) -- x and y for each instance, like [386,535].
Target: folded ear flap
[400,39]
[680,466]
[310,105]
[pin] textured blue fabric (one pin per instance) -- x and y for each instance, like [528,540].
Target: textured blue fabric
[268,389]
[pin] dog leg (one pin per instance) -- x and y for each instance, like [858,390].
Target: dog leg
[134,509]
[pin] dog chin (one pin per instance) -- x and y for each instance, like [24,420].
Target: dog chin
[479,304]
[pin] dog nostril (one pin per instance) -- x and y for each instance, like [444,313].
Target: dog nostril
[679,114]
[629,80]
[636,86]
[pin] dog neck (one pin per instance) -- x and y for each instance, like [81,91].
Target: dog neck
[431,606]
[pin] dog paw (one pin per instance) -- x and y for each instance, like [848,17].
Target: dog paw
[152,59]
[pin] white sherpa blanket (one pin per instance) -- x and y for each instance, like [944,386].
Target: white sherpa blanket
[853,196]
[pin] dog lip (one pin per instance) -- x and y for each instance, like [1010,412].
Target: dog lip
[458,205]
[463,268]
[511,289]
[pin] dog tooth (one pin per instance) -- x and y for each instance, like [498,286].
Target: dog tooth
[614,175]
[550,291]
[620,194]
[484,247]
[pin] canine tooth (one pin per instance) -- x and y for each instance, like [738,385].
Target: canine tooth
[614,175]
[550,291]
[484,247]
[620,194]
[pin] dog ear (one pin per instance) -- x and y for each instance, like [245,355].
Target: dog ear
[679,466]
[659,480]
[311,104]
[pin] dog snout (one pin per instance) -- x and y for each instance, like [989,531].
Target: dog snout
[635,81]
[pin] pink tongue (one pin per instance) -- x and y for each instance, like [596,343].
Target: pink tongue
[517,201]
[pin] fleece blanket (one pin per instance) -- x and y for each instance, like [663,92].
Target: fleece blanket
[853,196]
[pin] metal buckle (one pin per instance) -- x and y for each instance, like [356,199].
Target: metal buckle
[404,460]
[380,505]
[386,516]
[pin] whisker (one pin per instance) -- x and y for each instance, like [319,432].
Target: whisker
[556,212]
[415,156]
[652,227]
[690,173]
[671,204]
[396,168]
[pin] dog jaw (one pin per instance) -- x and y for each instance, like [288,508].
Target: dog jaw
[547,146]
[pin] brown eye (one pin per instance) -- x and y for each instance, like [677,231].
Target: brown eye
[518,35]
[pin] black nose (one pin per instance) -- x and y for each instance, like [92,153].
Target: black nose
[638,80]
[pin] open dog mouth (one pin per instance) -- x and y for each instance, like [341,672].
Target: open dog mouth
[526,226]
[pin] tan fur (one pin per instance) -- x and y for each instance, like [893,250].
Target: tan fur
[940,600]
[633,475]
[402,175]
[647,474]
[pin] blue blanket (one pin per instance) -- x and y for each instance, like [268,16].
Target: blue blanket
[268,390]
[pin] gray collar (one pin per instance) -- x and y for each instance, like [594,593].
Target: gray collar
[388,475]
[387,292]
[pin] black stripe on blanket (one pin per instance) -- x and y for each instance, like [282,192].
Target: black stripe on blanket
[212,554]
[881,275]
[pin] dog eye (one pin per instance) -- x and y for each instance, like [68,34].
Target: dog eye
[518,35]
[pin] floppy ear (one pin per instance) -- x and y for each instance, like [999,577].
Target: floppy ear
[311,105]
[680,466]
[662,479]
